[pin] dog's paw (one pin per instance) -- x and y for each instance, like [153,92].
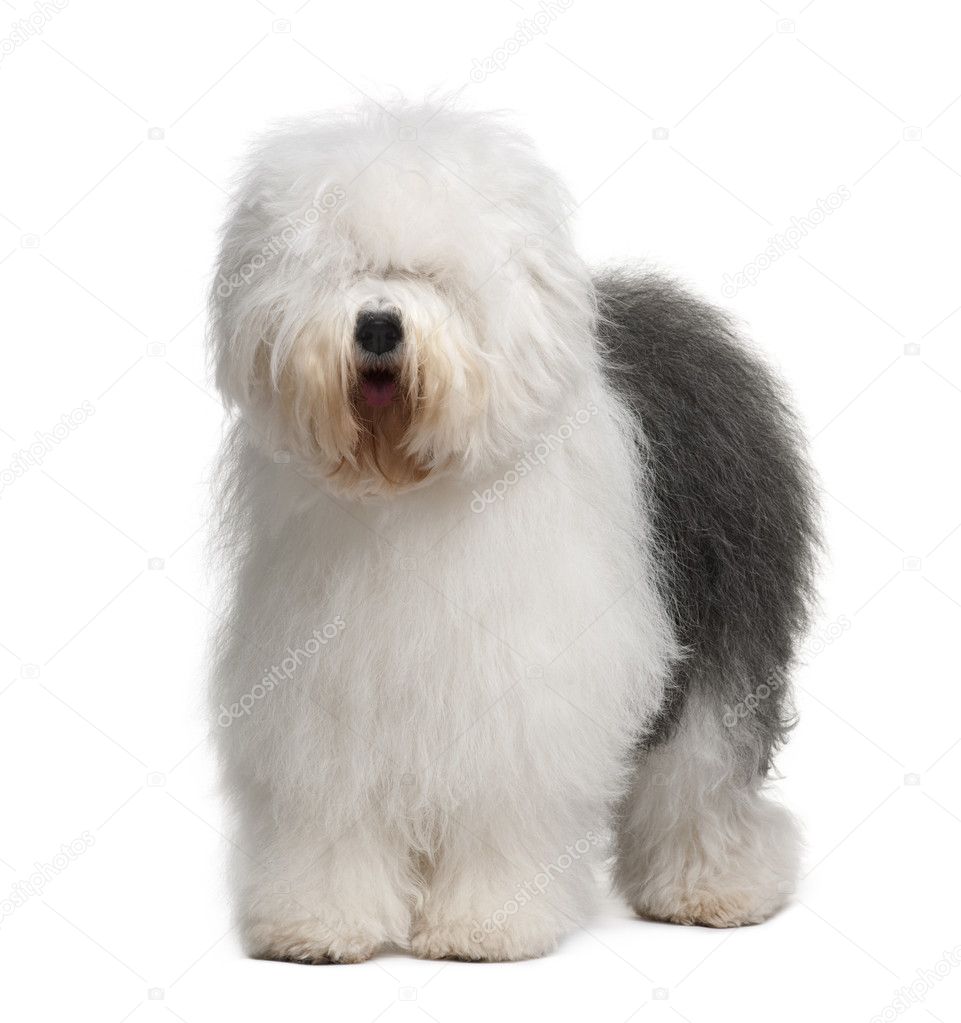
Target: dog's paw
[731,908]
[310,943]
[470,943]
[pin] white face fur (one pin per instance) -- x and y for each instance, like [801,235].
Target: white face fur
[450,225]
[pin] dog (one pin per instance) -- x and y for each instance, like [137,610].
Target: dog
[518,559]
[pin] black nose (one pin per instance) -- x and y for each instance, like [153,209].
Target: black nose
[378,333]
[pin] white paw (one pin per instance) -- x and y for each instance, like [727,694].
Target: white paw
[310,941]
[467,941]
[718,907]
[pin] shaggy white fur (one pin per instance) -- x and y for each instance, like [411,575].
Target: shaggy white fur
[444,634]
[698,842]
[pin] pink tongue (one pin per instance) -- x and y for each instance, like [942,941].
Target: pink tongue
[378,391]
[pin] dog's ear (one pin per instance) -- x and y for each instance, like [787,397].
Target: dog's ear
[241,321]
[539,334]
[263,296]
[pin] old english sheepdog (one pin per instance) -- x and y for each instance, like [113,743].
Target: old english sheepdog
[519,556]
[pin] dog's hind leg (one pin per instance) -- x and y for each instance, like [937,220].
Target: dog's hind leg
[699,842]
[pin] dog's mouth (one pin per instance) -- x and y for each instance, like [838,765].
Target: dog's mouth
[378,387]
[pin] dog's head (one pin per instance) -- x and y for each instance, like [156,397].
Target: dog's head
[398,296]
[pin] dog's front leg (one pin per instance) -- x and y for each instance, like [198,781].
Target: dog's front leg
[506,885]
[315,889]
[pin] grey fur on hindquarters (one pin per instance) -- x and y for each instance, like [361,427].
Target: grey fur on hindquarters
[733,497]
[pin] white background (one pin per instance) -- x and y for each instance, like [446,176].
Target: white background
[106,244]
